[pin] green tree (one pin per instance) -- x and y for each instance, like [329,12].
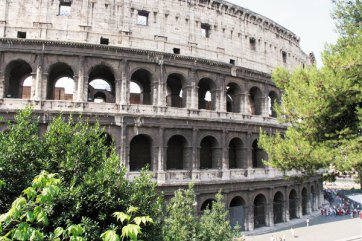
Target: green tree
[94,184]
[323,107]
[214,222]
[181,222]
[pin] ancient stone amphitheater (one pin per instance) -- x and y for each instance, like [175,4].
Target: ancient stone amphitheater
[183,86]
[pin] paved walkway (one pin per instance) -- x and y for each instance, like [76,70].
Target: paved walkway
[321,228]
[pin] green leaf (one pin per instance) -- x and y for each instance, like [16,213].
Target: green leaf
[58,232]
[132,209]
[30,216]
[131,231]
[110,235]
[30,193]
[121,216]
[75,230]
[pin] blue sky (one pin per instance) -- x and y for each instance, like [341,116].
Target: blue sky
[309,19]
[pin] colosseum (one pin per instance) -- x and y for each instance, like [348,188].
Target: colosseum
[183,86]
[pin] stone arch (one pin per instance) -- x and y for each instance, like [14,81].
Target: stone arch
[236,154]
[273,99]
[176,96]
[233,98]
[255,101]
[206,94]
[260,209]
[176,153]
[237,212]
[101,84]
[278,207]
[304,201]
[143,79]
[140,152]
[16,72]
[293,204]
[207,204]
[258,155]
[209,153]
[60,82]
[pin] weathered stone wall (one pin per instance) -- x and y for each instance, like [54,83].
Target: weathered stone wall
[171,24]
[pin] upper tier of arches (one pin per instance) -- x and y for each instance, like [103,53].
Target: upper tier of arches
[64,78]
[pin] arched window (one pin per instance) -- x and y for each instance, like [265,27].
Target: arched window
[17,73]
[60,82]
[140,152]
[233,98]
[255,101]
[258,155]
[278,207]
[272,101]
[260,211]
[175,95]
[101,87]
[176,152]
[304,201]
[293,204]
[208,153]
[237,212]
[206,94]
[207,204]
[140,88]
[236,154]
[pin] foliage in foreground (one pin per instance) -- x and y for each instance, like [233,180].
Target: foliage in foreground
[93,182]
[182,222]
[28,217]
[323,107]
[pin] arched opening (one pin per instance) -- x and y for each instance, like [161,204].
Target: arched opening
[237,212]
[206,94]
[175,95]
[259,211]
[258,155]
[16,74]
[278,207]
[207,204]
[140,88]
[60,82]
[108,142]
[293,201]
[233,98]
[236,154]
[304,201]
[314,200]
[140,152]
[208,153]
[101,85]
[272,101]
[255,101]
[176,153]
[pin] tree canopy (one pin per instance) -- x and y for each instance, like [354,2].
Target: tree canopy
[323,107]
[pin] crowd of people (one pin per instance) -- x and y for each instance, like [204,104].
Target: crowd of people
[339,205]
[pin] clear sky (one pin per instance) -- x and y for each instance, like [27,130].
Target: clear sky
[309,19]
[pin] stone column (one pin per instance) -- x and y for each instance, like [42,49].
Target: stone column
[286,206]
[81,96]
[193,93]
[2,83]
[161,174]
[117,91]
[124,84]
[195,155]
[225,157]
[249,222]
[222,94]
[3,17]
[270,209]
[40,83]
[264,105]
[161,87]
[124,146]
[244,103]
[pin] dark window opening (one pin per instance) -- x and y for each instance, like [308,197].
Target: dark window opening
[233,100]
[176,148]
[65,7]
[18,80]
[140,152]
[142,18]
[21,34]
[278,207]
[293,202]
[260,211]
[284,54]
[140,88]
[208,153]
[104,41]
[175,95]
[232,61]
[176,51]
[236,154]
[101,85]
[205,30]
[252,43]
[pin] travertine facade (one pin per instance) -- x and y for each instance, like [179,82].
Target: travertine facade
[181,86]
